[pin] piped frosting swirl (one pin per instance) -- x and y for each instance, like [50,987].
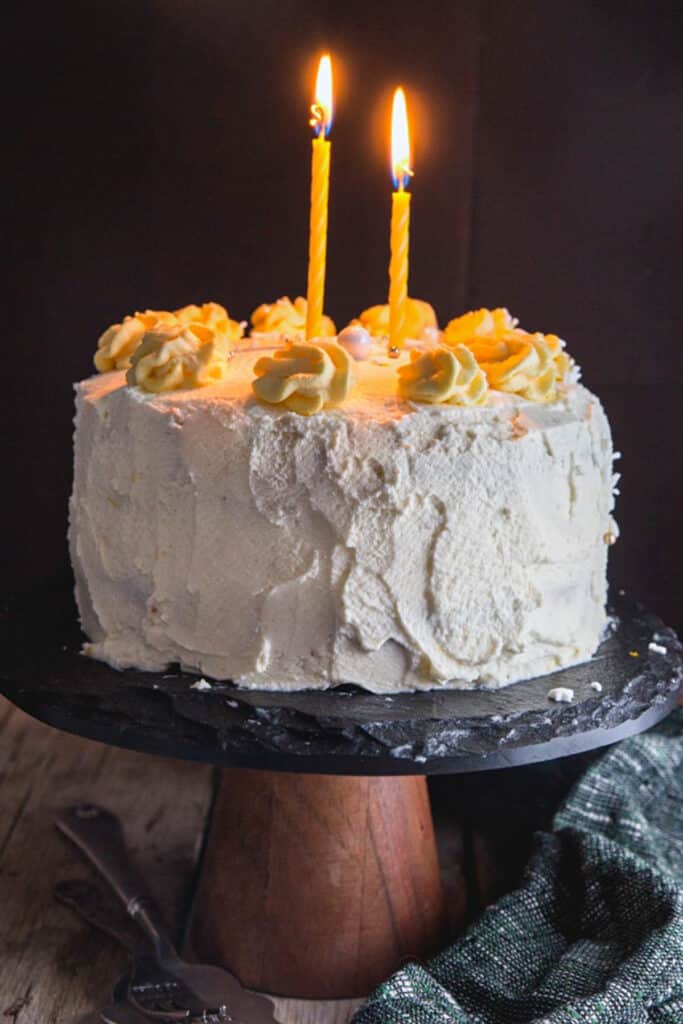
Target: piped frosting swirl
[529,365]
[287,319]
[443,375]
[304,377]
[525,368]
[479,323]
[175,356]
[211,314]
[420,320]
[118,343]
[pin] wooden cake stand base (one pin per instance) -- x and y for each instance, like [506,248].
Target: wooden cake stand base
[320,874]
[318,885]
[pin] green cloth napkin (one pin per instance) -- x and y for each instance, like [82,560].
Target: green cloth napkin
[594,934]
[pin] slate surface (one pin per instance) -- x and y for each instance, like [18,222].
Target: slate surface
[345,730]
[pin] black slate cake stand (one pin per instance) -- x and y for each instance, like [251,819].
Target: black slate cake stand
[320,875]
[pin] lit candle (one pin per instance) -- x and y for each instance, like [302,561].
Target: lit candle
[321,120]
[400,220]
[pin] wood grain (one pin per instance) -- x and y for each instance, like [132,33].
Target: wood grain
[51,966]
[318,885]
[307,1011]
[53,969]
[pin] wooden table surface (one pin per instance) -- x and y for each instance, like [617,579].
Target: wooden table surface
[53,968]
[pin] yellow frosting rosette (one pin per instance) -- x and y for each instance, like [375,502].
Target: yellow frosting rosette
[118,343]
[175,356]
[479,323]
[211,314]
[304,377]
[115,347]
[287,319]
[443,375]
[563,361]
[420,317]
[513,360]
[525,368]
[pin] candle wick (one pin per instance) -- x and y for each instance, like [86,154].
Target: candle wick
[318,120]
[403,174]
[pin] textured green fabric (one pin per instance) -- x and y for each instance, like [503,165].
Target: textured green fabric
[594,935]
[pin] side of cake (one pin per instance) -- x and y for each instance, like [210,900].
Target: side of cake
[456,538]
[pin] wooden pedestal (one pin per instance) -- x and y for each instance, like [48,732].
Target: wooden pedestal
[318,886]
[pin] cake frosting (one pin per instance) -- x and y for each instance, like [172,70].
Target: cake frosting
[420,320]
[174,356]
[443,375]
[402,535]
[286,320]
[304,378]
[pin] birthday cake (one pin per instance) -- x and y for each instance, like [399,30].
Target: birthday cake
[289,514]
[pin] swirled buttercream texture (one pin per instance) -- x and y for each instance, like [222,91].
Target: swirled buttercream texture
[479,323]
[176,356]
[118,343]
[420,322]
[529,365]
[213,315]
[443,375]
[115,347]
[392,544]
[287,319]
[304,378]
[524,366]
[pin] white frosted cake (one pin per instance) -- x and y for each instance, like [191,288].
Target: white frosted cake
[290,515]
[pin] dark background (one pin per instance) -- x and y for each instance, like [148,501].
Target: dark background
[158,154]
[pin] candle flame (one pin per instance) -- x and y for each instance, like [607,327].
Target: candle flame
[400,142]
[321,109]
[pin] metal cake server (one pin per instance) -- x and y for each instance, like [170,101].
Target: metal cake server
[122,1011]
[207,989]
[148,986]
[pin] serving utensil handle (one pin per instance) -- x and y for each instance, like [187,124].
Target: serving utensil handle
[103,911]
[98,834]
